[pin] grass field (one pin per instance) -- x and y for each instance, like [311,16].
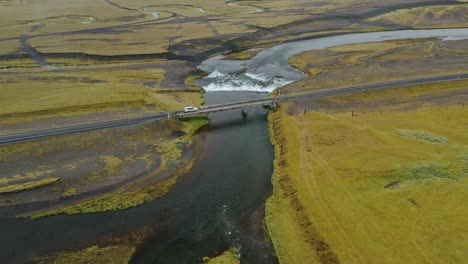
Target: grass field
[382,186]
[145,27]
[38,93]
[425,17]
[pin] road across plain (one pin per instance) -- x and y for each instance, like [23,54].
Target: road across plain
[13,138]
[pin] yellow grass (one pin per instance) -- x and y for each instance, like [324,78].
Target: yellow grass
[367,189]
[243,55]
[28,185]
[228,257]
[112,165]
[95,254]
[27,176]
[432,16]
[41,93]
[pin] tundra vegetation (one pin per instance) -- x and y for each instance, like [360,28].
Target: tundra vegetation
[72,62]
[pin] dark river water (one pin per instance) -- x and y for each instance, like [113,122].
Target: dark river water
[218,205]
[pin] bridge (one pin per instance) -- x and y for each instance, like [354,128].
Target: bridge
[268,103]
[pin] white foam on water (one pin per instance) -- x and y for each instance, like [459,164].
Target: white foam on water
[280,68]
[259,77]
[218,81]
[216,74]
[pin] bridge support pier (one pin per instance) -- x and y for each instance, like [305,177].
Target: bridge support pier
[244,112]
[271,106]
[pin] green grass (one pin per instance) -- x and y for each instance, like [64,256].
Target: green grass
[329,195]
[28,185]
[427,171]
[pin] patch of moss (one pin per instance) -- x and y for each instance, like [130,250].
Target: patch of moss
[93,254]
[423,136]
[112,165]
[69,191]
[28,175]
[424,171]
[28,185]
[230,256]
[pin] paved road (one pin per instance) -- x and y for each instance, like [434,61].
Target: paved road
[12,138]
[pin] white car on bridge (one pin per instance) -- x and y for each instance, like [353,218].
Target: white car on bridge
[189,109]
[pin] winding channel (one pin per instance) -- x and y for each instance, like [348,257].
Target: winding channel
[270,69]
[219,204]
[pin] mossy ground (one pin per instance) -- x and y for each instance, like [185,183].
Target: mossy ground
[230,256]
[353,189]
[134,195]
[94,254]
[17,187]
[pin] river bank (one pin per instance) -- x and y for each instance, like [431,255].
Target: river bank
[358,183]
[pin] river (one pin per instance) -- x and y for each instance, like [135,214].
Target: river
[219,204]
